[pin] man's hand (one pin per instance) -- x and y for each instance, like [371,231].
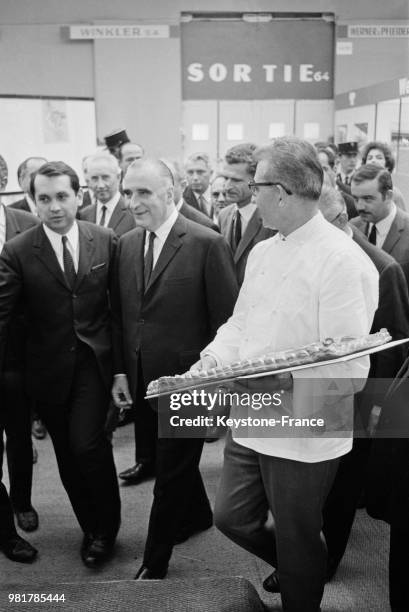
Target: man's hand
[120,392]
[205,363]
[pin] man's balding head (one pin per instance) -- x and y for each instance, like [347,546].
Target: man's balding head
[103,176]
[148,189]
[27,169]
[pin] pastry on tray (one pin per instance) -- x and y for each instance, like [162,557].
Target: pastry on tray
[271,362]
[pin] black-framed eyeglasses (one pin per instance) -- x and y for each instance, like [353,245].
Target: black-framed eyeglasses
[254,187]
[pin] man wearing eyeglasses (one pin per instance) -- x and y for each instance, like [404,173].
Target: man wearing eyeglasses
[240,222]
[300,287]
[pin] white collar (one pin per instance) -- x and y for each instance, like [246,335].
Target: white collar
[246,211]
[163,231]
[55,238]
[110,205]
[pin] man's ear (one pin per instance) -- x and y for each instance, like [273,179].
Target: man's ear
[183,184]
[80,196]
[389,195]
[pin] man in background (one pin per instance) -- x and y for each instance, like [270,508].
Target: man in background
[240,221]
[198,174]
[24,173]
[109,210]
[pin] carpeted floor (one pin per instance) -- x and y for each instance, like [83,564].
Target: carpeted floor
[360,585]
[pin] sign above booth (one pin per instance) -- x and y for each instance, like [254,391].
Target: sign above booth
[287,59]
[93,32]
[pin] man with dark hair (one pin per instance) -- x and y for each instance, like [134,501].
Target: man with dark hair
[61,272]
[128,153]
[198,174]
[109,210]
[348,159]
[300,287]
[182,287]
[24,172]
[385,225]
[240,221]
[392,314]
[15,414]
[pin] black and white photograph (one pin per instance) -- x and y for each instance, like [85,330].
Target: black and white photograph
[204,305]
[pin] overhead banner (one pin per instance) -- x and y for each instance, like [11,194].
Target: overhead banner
[245,61]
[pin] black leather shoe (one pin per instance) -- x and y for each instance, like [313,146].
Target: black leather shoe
[187,531]
[17,549]
[28,520]
[272,583]
[144,573]
[38,430]
[137,473]
[96,550]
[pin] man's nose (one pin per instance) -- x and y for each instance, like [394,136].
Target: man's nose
[100,182]
[221,197]
[55,205]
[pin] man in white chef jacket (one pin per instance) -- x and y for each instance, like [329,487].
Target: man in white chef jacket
[307,283]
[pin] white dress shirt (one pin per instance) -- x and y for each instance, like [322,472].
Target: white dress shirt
[161,235]
[110,206]
[73,244]
[315,283]
[246,212]
[207,197]
[383,226]
[2,227]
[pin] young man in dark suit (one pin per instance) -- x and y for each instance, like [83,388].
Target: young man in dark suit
[15,416]
[379,219]
[240,222]
[175,286]
[110,210]
[393,314]
[61,271]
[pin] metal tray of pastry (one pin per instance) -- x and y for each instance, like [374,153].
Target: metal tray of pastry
[200,383]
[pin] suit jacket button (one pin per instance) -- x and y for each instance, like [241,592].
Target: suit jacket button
[141,321]
[72,349]
[74,295]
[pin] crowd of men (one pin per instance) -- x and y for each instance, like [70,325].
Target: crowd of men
[157,268]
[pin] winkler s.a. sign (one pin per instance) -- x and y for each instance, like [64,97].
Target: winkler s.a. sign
[234,60]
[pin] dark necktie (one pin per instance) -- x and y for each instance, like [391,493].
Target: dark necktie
[347,180]
[202,204]
[103,215]
[372,235]
[69,268]
[148,264]
[236,231]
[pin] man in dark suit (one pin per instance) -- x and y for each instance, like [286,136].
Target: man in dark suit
[14,412]
[110,210]
[24,172]
[392,314]
[61,271]
[198,174]
[16,405]
[188,211]
[379,219]
[348,158]
[240,222]
[175,285]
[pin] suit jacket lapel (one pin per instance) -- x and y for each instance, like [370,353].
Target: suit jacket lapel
[45,253]
[251,231]
[117,215]
[86,253]
[12,226]
[394,233]
[171,246]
